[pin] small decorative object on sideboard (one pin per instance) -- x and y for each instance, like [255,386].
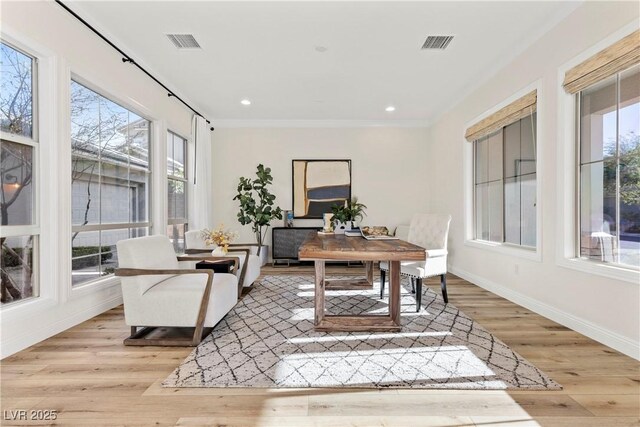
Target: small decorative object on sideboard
[288,218]
[328,223]
[344,216]
[377,233]
[219,237]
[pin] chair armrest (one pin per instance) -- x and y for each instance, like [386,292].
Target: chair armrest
[204,302]
[197,251]
[434,253]
[253,247]
[129,272]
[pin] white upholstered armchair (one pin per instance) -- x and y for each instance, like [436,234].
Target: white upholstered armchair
[161,290]
[431,232]
[250,263]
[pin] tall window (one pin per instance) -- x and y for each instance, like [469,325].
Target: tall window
[109,179]
[609,169]
[505,184]
[177,189]
[18,153]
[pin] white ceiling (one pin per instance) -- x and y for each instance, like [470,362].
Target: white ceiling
[266,52]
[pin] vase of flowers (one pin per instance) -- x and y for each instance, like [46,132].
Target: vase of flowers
[220,237]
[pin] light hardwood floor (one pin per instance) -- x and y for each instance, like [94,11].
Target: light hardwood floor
[90,378]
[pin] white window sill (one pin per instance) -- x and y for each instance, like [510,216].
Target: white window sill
[26,309]
[611,271]
[509,250]
[95,286]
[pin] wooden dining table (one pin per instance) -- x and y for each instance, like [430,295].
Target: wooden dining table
[338,247]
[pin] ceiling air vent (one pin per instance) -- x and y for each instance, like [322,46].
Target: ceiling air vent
[184,41]
[437,42]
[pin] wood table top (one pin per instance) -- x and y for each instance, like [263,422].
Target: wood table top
[341,247]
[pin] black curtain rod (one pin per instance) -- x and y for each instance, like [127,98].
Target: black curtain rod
[126,58]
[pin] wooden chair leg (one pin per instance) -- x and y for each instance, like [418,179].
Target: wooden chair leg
[418,294]
[383,275]
[413,285]
[443,286]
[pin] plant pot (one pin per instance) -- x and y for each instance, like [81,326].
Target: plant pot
[264,255]
[341,227]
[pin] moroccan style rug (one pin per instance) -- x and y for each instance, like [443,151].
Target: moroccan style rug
[268,340]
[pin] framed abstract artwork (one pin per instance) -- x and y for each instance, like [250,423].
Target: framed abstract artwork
[318,185]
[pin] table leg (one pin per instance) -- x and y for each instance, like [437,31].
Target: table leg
[394,292]
[319,291]
[369,268]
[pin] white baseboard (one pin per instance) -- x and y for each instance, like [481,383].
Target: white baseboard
[605,336]
[37,335]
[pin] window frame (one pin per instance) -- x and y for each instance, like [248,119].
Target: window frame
[108,279]
[34,229]
[173,222]
[566,173]
[577,97]
[468,150]
[185,180]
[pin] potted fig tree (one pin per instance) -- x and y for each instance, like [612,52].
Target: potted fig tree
[257,206]
[345,216]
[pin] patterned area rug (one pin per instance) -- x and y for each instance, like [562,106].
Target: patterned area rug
[268,340]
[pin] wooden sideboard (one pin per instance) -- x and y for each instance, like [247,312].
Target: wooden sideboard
[286,242]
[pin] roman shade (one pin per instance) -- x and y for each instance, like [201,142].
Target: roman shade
[518,109]
[617,57]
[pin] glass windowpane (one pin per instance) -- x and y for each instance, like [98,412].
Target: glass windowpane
[598,121]
[528,204]
[85,257]
[482,211]
[16,178]
[527,160]
[169,153]
[495,211]
[481,160]
[512,212]
[16,92]
[512,155]
[176,234]
[494,168]
[109,179]
[115,194]
[598,211]
[17,262]
[179,145]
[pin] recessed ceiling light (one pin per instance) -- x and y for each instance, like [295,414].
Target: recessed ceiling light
[245,102]
[390,109]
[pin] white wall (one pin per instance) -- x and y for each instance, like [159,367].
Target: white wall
[604,308]
[65,47]
[387,168]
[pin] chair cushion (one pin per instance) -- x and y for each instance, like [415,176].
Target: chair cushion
[149,253]
[176,300]
[421,269]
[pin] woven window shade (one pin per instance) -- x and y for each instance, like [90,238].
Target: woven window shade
[617,57]
[520,108]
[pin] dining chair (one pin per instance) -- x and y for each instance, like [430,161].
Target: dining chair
[431,232]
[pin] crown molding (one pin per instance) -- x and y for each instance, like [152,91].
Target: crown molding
[235,123]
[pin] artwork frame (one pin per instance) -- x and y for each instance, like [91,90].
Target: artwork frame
[318,184]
